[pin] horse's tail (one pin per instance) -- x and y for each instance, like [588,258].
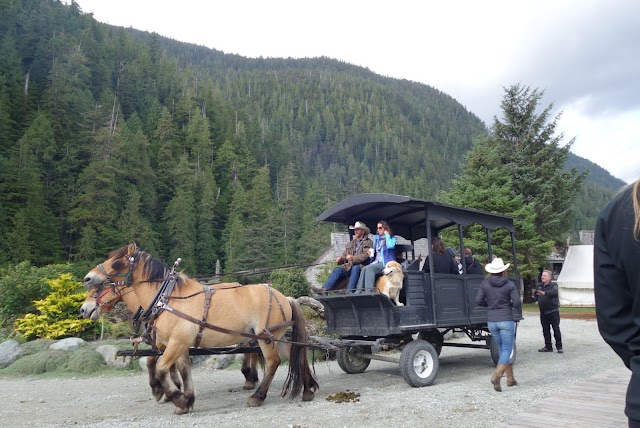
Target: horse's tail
[300,374]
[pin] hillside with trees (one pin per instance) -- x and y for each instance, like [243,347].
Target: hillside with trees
[110,135]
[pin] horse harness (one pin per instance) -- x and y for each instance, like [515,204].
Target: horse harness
[160,303]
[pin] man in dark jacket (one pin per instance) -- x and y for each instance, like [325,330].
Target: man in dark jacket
[472,265]
[616,268]
[354,257]
[546,296]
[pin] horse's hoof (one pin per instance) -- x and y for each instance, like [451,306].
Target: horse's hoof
[249,385]
[253,402]
[307,396]
[180,411]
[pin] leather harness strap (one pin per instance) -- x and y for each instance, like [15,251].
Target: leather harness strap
[266,335]
[207,303]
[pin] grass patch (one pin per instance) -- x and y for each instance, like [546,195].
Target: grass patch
[565,312]
[38,360]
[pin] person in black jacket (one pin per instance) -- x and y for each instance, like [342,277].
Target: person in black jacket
[473,266]
[616,266]
[546,296]
[500,296]
[442,261]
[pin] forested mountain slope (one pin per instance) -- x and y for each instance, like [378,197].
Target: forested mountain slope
[109,135]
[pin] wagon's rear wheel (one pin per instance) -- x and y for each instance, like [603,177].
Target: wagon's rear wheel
[495,351]
[419,363]
[351,360]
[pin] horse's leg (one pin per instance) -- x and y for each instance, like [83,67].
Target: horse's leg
[176,374]
[250,370]
[183,366]
[154,382]
[272,361]
[182,400]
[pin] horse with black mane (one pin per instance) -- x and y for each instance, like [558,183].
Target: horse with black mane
[101,299]
[185,313]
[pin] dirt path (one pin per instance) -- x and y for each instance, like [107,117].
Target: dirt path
[460,396]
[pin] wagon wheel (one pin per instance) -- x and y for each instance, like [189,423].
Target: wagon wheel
[495,351]
[351,360]
[434,337]
[419,363]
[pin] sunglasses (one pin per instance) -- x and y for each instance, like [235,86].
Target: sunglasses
[380,227]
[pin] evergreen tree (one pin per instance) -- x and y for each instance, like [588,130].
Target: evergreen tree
[515,170]
[26,192]
[134,227]
[531,155]
[206,242]
[131,160]
[180,219]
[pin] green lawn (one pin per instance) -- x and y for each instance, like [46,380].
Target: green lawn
[567,312]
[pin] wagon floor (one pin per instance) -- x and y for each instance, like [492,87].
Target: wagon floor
[596,402]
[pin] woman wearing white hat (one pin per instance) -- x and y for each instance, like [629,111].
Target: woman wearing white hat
[500,296]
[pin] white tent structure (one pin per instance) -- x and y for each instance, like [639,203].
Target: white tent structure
[575,282]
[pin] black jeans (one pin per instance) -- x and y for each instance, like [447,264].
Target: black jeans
[548,321]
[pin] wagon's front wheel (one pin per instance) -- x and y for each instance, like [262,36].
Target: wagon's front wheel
[351,360]
[419,363]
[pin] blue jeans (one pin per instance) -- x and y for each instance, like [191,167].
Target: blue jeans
[503,332]
[339,273]
[367,280]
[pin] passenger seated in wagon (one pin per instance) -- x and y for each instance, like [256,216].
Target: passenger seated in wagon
[383,251]
[442,261]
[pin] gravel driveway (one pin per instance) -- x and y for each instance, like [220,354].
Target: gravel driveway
[460,396]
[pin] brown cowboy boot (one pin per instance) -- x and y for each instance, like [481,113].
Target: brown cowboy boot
[497,375]
[511,381]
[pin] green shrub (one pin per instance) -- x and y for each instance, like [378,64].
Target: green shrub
[22,284]
[58,316]
[290,282]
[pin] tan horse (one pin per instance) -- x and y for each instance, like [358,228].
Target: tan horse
[101,300]
[232,315]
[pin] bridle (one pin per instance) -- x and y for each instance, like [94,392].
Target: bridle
[115,287]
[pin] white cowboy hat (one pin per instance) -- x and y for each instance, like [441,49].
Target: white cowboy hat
[497,266]
[360,225]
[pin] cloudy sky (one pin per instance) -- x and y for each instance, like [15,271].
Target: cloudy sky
[585,54]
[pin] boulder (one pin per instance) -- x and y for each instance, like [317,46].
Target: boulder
[108,352]
[68,344]
[9,352]
[219,362]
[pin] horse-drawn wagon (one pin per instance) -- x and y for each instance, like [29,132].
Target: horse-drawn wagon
[253,319]
[434,303]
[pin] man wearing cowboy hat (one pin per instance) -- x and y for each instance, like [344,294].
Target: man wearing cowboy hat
[355,255]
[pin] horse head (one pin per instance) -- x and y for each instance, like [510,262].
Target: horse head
[120,264]
[100,300]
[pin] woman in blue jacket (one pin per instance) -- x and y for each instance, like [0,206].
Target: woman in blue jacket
[382,252]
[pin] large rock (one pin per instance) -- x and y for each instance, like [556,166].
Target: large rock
[9,352]
[219,362]
[108,352]
[68,344]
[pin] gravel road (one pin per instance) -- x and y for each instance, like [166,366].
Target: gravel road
[460,396]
